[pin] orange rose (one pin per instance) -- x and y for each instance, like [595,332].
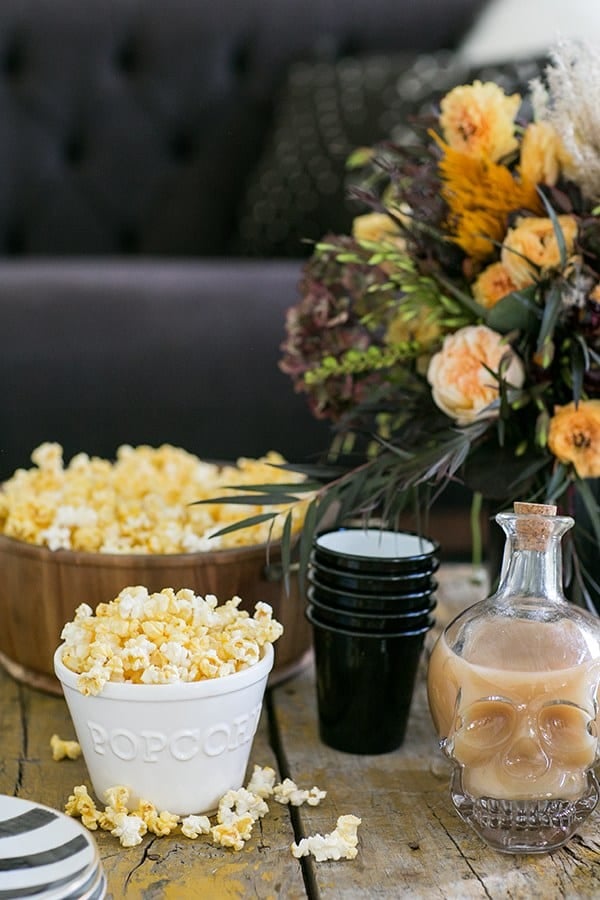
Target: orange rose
[478,119]
[461,384]
[574,436]
[542,154]
[532,246]
[492,285]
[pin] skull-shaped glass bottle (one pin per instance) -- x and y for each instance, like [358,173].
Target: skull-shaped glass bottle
[513,687]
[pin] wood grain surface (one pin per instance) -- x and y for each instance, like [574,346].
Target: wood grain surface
[411,842]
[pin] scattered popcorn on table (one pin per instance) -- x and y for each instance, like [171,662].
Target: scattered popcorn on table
[160,638]
[289,792]
[237,812]
[64,749]
[340,844]
[144,502]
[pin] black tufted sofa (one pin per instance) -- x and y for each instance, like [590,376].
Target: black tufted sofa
[157,178]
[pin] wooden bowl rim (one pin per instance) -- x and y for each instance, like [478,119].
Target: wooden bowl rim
[147,560]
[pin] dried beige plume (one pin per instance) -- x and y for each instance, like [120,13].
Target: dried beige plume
[569,101]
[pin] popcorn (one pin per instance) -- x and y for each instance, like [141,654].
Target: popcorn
[129,829]
[117,798]
[237,812]
[233,834]
[289,792]
[193,826]
[80,805]
[236,804]
[64,749]
[161,824]
[262,781]
[164,637]
[340,844]
[144,502]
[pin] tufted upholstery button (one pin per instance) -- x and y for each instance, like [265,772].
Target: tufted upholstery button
[128,239]
[182,146]
[14,60]
[127,56]
[240,60]
[14,240]
[74,149]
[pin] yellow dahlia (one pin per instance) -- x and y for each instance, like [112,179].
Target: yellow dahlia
[478,119]
[574,436]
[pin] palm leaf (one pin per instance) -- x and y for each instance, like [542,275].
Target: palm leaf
[274,499]
[245,523]
[286,551]
[590,503]
[558,232]
[550,315]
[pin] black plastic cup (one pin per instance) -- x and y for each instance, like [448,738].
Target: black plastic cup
[365,685]
[371,622]
[375,624]
[376,550]
[369,603]
[373,582]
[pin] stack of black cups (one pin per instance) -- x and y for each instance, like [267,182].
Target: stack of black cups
[371,596]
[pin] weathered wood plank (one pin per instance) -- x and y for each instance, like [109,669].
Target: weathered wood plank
[412,844]
[169,868]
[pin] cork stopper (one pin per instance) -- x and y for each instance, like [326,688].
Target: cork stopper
[534,529]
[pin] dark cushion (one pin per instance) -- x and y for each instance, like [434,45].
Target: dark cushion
[129,126]
[299,188]
[95,355]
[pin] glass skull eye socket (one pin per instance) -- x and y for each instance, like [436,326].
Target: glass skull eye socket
[482,728]
[568,732]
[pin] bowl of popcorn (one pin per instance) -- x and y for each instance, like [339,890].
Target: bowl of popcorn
[79,532]
[165,691]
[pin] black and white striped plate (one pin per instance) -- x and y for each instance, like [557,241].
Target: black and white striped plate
[46,855]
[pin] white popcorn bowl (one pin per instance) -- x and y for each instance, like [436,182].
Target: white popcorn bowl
[181,746]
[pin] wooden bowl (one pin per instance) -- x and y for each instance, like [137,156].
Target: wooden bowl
[40,590]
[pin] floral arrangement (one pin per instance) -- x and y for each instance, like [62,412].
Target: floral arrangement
[455,334]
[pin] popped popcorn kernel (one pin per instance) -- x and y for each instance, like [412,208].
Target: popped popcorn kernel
[288,792]
[143,502]
[234,833]
[194,826]
[262,781]
[64,749]
[163,638]
[236,804]
[340,844]
[80,805]
[117,797]
[129,829]
[161,824]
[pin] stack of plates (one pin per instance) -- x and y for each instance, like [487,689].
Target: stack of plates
[46,855]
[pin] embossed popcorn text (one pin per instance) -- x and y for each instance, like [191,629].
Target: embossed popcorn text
[182,745]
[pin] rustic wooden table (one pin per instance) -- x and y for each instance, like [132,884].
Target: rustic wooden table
[411,843]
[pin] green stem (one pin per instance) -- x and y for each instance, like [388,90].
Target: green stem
[476,551]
